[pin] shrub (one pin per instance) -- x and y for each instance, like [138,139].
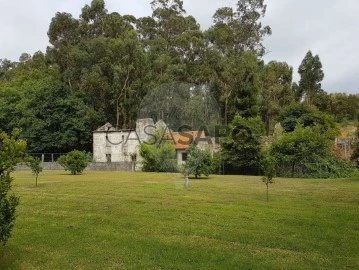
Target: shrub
[158,157]
[12,151]
[75,161]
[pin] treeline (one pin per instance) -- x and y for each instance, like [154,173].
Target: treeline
[100,66]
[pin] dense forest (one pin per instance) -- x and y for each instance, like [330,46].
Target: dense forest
[99,67]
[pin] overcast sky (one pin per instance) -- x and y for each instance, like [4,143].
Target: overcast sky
[327,27]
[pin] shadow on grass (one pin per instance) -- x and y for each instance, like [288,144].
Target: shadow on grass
[199,178]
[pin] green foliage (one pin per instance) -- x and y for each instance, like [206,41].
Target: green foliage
[75,161]
[12,151]
[240,30]
[158,157]
[35,166]
[311,75]
[217,163]
[198,162]
[242,148]
[355,156]
[343,106]
[305,153]
[269,165]
[101,65]
[308,116]
[159,153]
[276,92]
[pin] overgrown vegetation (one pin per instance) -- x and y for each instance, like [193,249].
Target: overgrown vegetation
[305,152]
[159,154]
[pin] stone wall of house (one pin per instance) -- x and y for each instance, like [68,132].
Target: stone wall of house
[116,146]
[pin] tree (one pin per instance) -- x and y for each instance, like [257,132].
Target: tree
[276,92]
[240,30]
[12,151]
[311,75]
[242,148]
[343,106]
[75,161]
[35,166]
[308,116]
[305,152]
[198,162]
[269,170]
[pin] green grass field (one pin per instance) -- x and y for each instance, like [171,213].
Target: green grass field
[119,220]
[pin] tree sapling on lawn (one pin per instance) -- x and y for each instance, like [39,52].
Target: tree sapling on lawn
[35,166]
[269,170]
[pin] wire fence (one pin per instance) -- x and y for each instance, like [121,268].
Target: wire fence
[46,157]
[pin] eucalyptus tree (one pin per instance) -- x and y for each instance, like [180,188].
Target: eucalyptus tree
[276,92]
[311,76]
[240,29]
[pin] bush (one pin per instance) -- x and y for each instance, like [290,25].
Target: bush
[12,151]
[158,157]
[75,161]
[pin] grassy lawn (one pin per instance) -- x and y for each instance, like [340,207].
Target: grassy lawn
[119,220]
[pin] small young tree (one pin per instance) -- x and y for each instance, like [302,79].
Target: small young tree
[12,151]
[35,166]
[75,161]
[198,162]
[269,170]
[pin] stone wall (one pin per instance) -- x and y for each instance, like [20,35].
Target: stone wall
[94,166]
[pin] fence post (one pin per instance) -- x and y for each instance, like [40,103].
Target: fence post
[42,158]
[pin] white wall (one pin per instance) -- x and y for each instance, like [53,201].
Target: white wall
[119,144]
